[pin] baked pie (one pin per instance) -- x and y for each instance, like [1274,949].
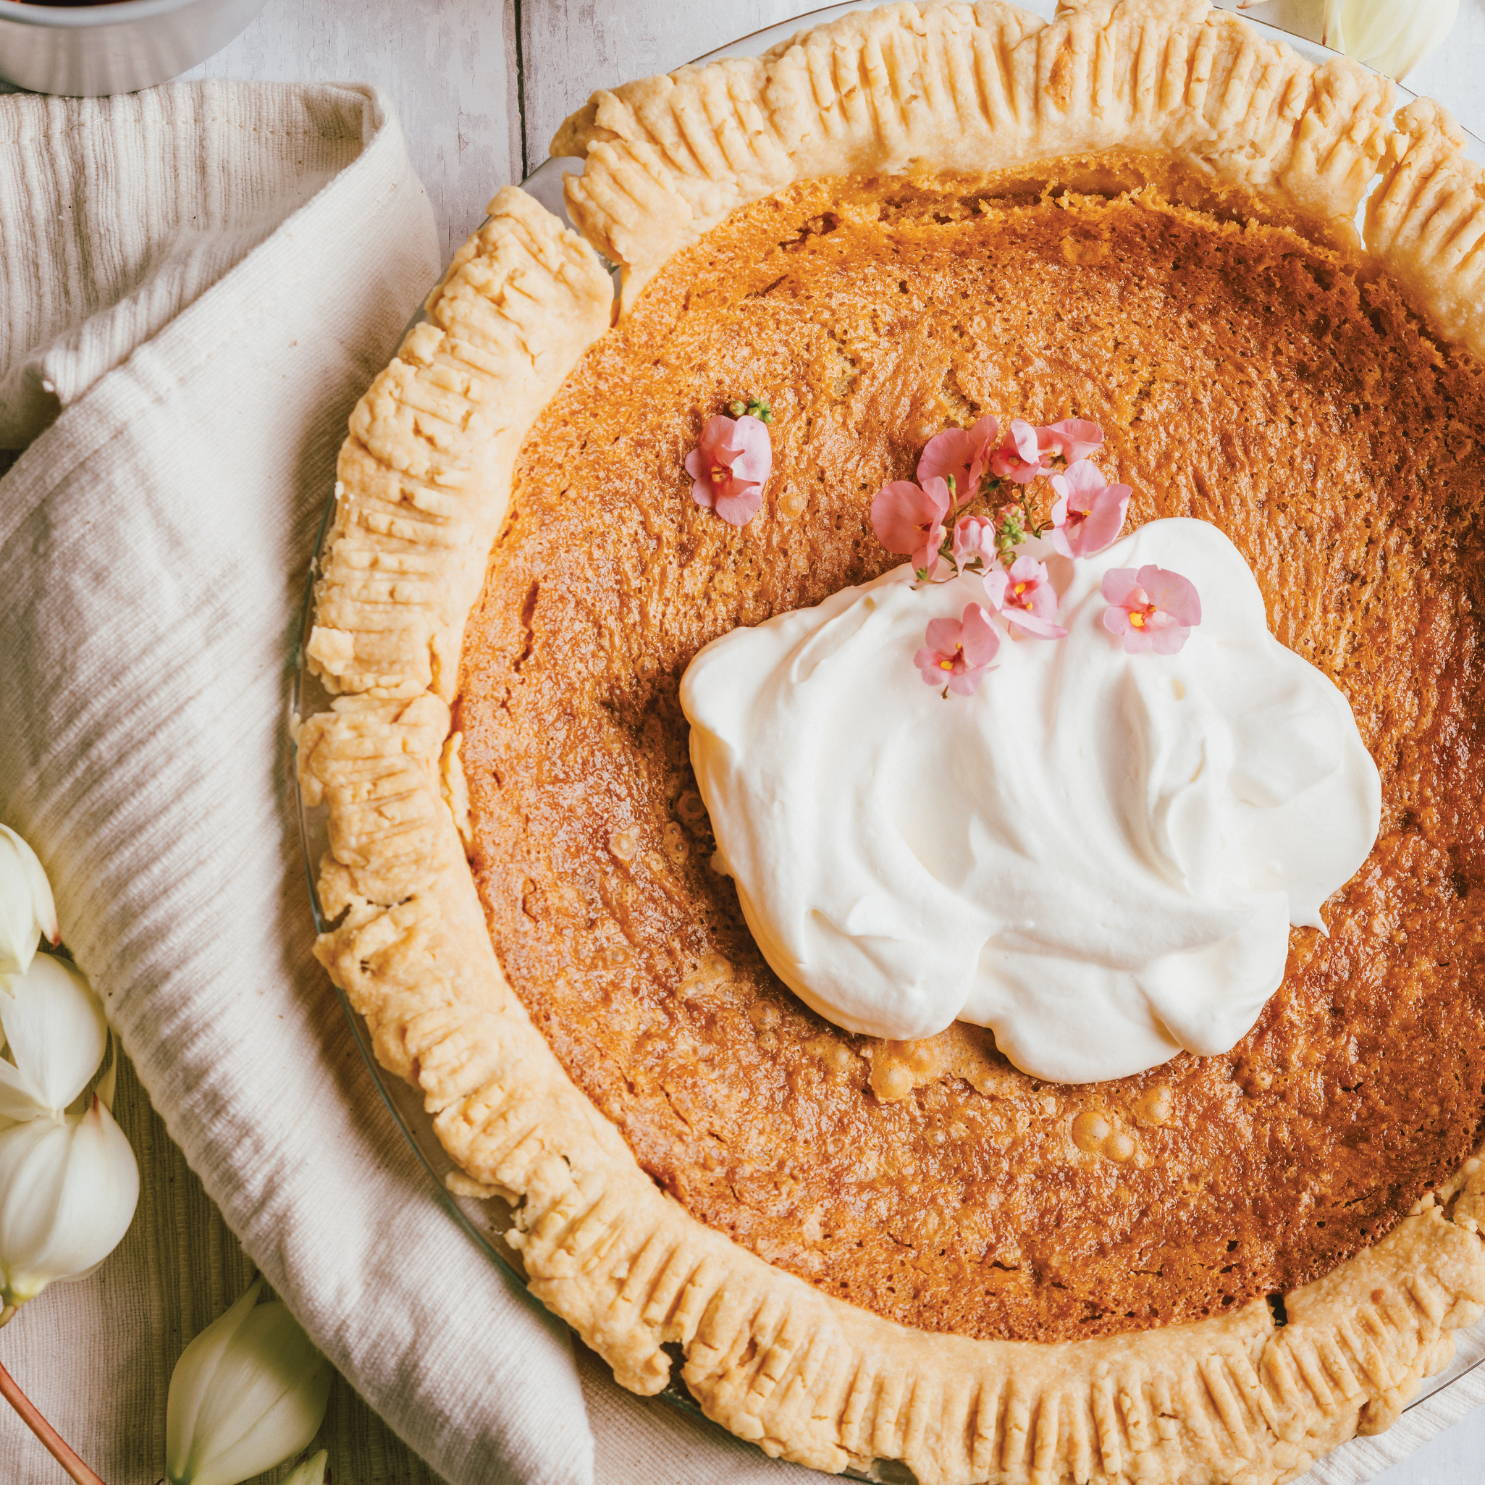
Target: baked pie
[1018,1245]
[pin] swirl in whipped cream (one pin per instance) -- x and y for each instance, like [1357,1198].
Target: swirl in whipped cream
[1097,855]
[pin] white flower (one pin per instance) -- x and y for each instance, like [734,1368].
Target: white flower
[53,1028]
[248,1393]
[1393,36]
[68,1188]
[27,912]
[310,1472]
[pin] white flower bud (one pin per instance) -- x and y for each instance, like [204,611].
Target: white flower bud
[310,1472]
[27,912]
[1393,36]
[52,1026]
[68,1188]
[248,1393]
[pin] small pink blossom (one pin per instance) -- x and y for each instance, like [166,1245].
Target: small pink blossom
[963,453]
[1150,609]
[729,465]
[957,652]
[1025,598]
[974,540]
[909,520]
[1018,456]
[1089,513]
[1073,438]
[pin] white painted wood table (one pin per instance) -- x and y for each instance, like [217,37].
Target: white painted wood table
[480,86]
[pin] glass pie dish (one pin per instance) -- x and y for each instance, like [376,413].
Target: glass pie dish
[480,1221]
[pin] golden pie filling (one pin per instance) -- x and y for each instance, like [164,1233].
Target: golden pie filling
[1244,373]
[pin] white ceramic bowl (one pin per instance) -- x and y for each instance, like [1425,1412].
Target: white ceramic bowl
[113,48]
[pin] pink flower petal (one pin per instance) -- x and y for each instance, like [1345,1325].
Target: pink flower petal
[948,453]
[1073,438]
[1089,514]
[1022,437]
[753,456]
[739,507]
[731,462]
[1025,597]
[943,634]
[981,642]
[957,652]
[1034,624]
[962,453]
[1172,594]
[1105,519]
[1120,584]
[1018,456]
[908,519]
[974,540]
[1150,609]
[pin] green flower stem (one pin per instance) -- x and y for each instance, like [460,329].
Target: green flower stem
[51,1440]
[1011,529]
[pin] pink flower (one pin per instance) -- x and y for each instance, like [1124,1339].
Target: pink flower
[1089,512]
[961,452]
[974,540]
[1025,598]
[729,465]
[909,520]
[1073,438]
[957,652]
[1150,609]
[1019,455]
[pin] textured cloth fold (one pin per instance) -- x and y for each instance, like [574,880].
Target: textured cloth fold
[204,279]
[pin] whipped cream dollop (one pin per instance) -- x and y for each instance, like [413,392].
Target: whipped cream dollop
[1097,855]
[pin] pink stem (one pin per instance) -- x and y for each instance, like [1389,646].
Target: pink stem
[51,1440]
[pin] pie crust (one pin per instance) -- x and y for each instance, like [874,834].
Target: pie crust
[1253,1395]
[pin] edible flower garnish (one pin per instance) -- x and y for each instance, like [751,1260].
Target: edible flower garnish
[1073,438]
[1089,513]
[730,464]
[1019,455]
[960,454]
[957,652]
[974,542]
[1150,608]
[933,522]
[1025,598]
[909,520]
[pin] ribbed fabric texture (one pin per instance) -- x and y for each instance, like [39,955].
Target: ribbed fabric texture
[203,279]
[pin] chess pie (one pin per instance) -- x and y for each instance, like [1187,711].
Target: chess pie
[1268,289]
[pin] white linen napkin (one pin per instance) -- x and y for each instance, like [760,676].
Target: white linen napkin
[195,285]
[205,278]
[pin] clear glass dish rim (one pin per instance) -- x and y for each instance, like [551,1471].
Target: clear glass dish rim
[545,184]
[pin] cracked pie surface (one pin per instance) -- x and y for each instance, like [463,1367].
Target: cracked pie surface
[850,1249]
